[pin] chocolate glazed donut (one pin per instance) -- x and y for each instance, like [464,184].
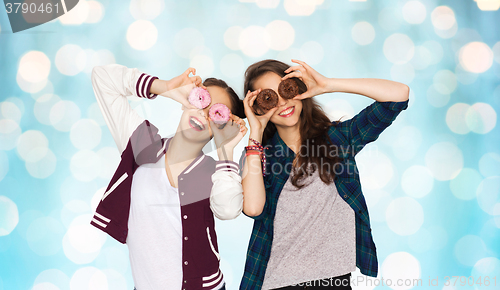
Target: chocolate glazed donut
[288,89]
[265,101]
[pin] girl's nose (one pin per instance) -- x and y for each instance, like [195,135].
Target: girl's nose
[281,101]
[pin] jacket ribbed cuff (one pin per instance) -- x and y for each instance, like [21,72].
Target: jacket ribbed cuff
[227,165]
[143,86]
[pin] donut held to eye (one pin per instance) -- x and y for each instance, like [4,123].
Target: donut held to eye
[288,89]
[199,97]
[265,101]
[219,114]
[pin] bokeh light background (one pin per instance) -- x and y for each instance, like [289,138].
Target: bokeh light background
[432,179]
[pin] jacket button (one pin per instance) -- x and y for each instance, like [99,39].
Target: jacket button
[186,238]
[345,195]
[185,262]
[182,178]
[185,217]
[182,193]
[185,281]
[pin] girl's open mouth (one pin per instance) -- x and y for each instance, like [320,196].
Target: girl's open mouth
[287,112]
[196,124]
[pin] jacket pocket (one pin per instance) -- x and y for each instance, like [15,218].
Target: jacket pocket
[212,245]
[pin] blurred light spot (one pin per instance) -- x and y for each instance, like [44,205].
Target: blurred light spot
[399,48]
[401,266]
[488,195]
[85,165]
[455,118]
[390,18]
[85,134]
[487,267]
[146,9]
[63,115]
[43,167]
[311,52]
[476,57]
[4,164]
[238,13]
[281,33]
[77,15]
[89,278]
[186,40]
[376,168]
[73,209]
[44,236]
[463,37]
[404,73]
[96,12]
[9,110]
[30,87]
[444,160]
[232,37]
[142,35]
[363,33]
[25,220]
[42,107]
[436,50]
[414,12]
[94,113]
[254,41]
[47,89]
[404,216]
[299,7]
[488,5]
[465,77]
[267,4]
[9,134]
[204,65]
[286,55]
[417,181]
[469,249]
[117,280]
[45,286]
[489,164]
[422,58]
[34,67]
[443,18]
[54,276]
[435,97]
[445,82]
[82,242]
[32,145]
[109,159]
[481,118]
[421,241]
[97,58]
[70,59]
[339,108]
[9,216]
[464,186]
[232,65]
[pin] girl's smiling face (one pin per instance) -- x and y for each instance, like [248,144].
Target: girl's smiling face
[194,122]
[288,112]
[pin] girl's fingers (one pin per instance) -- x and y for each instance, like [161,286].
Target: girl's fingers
[252,100]
[297,67]
[297,74]
[190,70]
[301,63]
[270,113]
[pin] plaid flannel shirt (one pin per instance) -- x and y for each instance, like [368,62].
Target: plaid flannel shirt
[350,136]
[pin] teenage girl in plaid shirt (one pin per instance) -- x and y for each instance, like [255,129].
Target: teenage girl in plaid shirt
[319,231]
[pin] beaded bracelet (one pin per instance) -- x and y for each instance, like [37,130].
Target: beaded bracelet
[257,149]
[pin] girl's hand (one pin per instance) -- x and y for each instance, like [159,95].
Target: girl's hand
[227,137]
[316,83]
[257,123]
[180,86]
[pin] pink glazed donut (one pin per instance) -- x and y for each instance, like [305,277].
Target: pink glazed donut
[219,113]
[199,97]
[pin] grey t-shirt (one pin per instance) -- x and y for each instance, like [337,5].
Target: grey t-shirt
[314,235]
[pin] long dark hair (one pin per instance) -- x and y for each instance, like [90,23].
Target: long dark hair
[237,107]
[314,125]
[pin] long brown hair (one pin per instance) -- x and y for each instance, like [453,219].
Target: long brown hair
[237,107]
[314,125]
